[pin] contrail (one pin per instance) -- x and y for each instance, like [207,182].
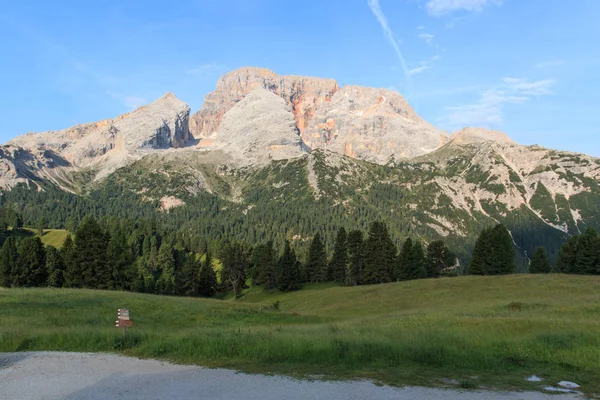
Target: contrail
[376,9]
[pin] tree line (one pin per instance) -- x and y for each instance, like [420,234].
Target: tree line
[143,256]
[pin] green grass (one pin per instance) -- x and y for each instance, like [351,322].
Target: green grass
[51,237]
[500,329]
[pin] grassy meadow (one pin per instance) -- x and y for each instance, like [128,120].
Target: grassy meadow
[51,237]
[478,331]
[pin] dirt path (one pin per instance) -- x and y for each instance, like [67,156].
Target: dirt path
[48,375]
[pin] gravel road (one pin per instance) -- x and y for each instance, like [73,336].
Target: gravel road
[49,375]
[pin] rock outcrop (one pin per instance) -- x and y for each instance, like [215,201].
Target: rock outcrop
[479,135]
[103,146]
[302,94]
[361,122]
[373,125]
[259,128]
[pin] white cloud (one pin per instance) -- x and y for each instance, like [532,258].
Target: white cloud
[418,70]
[376,9]
[208,69]
[489,110]
[442,7]
[547,64]
[426,37]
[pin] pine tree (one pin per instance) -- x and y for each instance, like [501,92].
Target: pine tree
[481,253]
[356,257]
[235,263]
[120,260]
[31,263]
[338,266]
[72,275]
[380,255]
[316,264]
[208,278]
[263,261]
[55,267]
[166,262]
[502,257]
[190,276]
[539,263]
[403,262]
[288,272]
[91,244]
[8,262]
[417,262]
[41,226]
[588,254]
[567,256]
[439,258]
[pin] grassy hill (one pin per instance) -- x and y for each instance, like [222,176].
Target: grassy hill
[499,329]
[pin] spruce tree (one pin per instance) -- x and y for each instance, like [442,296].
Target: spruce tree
[502,257]
[190,276]
[588,254]
[356,257]
[235,263]
[55,267]
[316,264]
[207,279]
[120,260]
[417,262]
[439,258]
[31,263]
[166,263]
[288,272]
[380,255]
[404,260]
[91,244]
[481,252]
[567,256]
[72,275]
[8,262]
[263,261]
[539,263]
[338,266]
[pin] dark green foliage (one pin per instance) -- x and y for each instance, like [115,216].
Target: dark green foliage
[31,263]
[380,255]
[72,275]
[539,262]
[403,264]
[288,270]
[316,264]
[121,260]
[338,266]
[412,264]
[263,266]
[356,257]
[494,253]
[190,276]
[208,278]
[166,282]
[8,262]
[55,267]
[439,258]
[91,244]
[580,254]
[235,264]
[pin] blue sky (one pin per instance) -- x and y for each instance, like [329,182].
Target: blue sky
[530,68]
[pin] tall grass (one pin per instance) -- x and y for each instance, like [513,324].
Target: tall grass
[498,329]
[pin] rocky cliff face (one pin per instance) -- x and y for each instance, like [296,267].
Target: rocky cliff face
[103,146]
[372,124]
[259,128]
[302,94]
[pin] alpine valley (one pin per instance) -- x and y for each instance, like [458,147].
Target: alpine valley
[275,157]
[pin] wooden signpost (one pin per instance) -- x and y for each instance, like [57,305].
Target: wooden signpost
[123,321]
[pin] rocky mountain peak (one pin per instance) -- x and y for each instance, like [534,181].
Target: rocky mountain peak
[302,94]
[479,135]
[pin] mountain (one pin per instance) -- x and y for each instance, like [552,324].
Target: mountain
[278,157]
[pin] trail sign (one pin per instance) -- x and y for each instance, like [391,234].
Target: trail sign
[123,321]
